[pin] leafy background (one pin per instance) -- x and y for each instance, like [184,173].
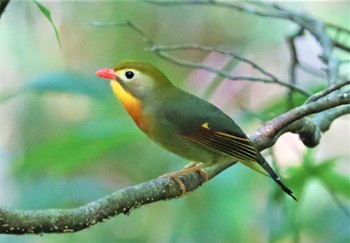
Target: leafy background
[66,141]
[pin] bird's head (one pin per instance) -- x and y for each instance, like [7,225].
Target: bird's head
[139,79]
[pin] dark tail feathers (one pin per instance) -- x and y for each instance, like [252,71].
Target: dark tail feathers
[275,177]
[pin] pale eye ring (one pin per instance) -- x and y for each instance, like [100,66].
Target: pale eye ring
[129,74]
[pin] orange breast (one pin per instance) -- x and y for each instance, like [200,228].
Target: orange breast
[132,105]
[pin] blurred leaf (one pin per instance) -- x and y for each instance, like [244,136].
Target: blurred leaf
[69,82]
[341,184]
[336,182]
[47,14]
[5,96]
[63,81]
[82,144]
[322,171]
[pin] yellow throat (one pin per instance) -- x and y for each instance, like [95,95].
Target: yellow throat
[131,104]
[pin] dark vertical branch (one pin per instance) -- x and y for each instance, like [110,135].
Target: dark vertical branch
[294,63]
[3,4]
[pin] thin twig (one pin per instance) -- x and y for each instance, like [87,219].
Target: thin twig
[294,62]
[246,7]
[339,30]
[122,202]
[313,25]
[160,51]
[312,70]
[327,91]
[213,49]
[294,59]
[318,30]
[344,61]
[225,74]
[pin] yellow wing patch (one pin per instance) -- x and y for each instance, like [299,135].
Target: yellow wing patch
[226,143]
[205,125]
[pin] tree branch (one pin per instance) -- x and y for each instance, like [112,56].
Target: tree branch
[339,30]
[325,92]
[246,7]
[71,220]
[305,21]
[160,50]
[328,104]
[14,221]
[293,121]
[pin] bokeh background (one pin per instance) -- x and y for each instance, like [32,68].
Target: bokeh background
[66,141]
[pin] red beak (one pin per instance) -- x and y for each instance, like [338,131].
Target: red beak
[106,73]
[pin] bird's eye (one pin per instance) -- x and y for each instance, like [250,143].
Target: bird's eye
[129,74]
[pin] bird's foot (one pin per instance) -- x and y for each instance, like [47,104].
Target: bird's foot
[198,167]
[192,167]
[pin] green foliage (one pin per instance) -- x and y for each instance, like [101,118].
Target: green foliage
[76,147]
[47,14]
[63,162]
[321,171]
[69,82]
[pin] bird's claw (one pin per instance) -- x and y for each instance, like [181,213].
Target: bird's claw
[192,167]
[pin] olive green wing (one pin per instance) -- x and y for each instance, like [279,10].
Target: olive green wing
[204,124]
[235,145]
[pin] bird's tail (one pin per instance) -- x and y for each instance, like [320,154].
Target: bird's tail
[263,163]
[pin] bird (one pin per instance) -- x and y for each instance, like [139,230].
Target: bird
[182,123]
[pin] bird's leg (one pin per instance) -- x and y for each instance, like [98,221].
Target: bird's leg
[191,167]
[198,167]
